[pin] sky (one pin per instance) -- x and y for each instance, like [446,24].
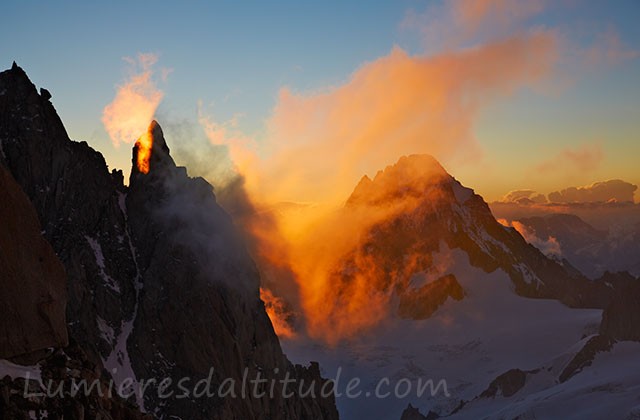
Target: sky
[507,94]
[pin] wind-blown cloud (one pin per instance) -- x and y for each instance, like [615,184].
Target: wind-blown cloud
[318,145]
[549,247]
[458,23]
[608,50]
[129,114]
[241,147]
[583,159]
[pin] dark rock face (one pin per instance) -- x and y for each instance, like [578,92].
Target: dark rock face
[193,263]
[584,358]
[78,204]
[412,413]
[421,303]
[160,285]
[621,319]
[506,385]
[34,292]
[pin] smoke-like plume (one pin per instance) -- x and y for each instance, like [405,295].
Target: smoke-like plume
[136,101]
[241,148]
[318,145]
[278,313]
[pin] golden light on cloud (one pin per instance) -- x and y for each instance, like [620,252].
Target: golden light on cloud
[135,102]
[319,145]
[474,13]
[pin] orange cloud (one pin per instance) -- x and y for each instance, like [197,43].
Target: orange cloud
[475,13]
[136,101]
[550,246]
[241,147]
[319,145]
[278,313]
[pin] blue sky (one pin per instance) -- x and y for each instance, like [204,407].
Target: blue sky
[238,55]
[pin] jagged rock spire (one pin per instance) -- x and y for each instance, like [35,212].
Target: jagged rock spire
[158,157]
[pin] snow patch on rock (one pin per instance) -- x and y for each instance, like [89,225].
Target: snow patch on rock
[15,371]
[97,251]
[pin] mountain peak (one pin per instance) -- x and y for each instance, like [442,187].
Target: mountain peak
[410,175]
[156,131]
[412,168]
[150,151]
[418,162]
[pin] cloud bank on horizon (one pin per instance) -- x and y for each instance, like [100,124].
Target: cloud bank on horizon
[611,191]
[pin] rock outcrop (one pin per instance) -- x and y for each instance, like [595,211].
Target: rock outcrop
[33,280]
[621,318]
[412,413]
[584,357]
[506,385]
[422,302]
[78,203]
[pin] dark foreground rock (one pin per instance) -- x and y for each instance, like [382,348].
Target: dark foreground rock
[33,281]
[160,286]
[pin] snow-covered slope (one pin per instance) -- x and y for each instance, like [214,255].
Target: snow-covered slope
[607,389]
[466,343]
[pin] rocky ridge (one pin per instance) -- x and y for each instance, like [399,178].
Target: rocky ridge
[159,283]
